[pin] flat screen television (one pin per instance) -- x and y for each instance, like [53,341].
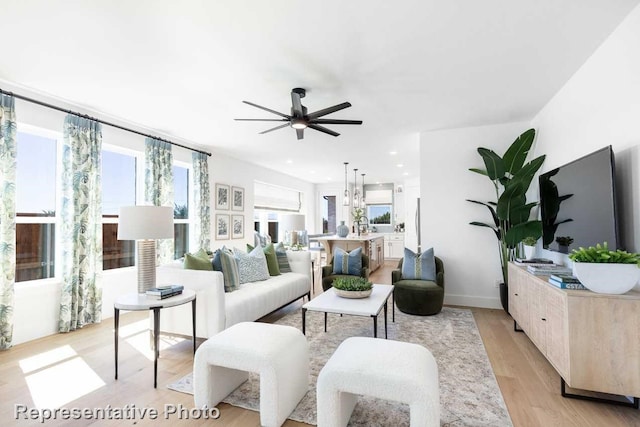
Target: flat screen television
[578,203]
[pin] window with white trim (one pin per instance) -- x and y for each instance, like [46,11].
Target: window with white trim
[118,189]
[181,210]
[37,153]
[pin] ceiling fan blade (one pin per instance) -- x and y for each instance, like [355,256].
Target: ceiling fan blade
[323,129]
[267,109]
[329,110]
[296,105]
[300,134]
[336,122]
[275,128]
[262,120]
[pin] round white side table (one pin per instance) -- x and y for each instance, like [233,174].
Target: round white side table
[139,302]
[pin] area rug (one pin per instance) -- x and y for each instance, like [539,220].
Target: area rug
[469,393]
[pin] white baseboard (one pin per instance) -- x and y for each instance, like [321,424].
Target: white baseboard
[471,301]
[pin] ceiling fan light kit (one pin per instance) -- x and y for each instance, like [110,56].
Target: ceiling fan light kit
[300,120]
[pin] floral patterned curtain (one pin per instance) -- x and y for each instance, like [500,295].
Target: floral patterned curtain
[80,224]
[158,186]
[7,217]
[201,201]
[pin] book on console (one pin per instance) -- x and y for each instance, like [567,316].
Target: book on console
[533,261]
[564,278]
[548,269]
[565,285]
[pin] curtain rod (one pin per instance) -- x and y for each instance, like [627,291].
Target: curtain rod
[104,122]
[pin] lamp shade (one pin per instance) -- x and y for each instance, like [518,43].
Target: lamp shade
[291,222]
[145,222]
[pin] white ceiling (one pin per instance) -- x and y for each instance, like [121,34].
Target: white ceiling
[183,67]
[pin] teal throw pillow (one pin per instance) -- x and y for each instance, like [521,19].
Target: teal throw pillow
[229,271]
[347,262]
[283,260]
[252,266]
[419,267]
[217,264]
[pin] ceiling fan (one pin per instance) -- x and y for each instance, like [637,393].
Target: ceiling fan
[300,120]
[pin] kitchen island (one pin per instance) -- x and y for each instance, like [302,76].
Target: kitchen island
[372,245]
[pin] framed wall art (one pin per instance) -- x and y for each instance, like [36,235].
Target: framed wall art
[237,226]
[222,227]
[237,198]
[222,197]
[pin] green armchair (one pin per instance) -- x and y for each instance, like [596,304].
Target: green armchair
[328,277]
[420,297]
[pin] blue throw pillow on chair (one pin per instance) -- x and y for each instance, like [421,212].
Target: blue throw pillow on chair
[347,262]
[419,267]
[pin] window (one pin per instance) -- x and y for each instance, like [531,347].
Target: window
[181,210]
[35,206]
[118,189]
[379,214]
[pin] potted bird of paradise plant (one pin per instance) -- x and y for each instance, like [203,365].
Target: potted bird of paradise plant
[510,212]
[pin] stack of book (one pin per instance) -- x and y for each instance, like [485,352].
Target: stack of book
[533,261]
[546,270]
[565,281]
[162,292]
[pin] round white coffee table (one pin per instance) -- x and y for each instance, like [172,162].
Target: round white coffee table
[139,302]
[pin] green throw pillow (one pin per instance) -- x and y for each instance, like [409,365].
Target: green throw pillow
[195,262]
[272,259]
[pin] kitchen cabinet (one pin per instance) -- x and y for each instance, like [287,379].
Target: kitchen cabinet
[394,246]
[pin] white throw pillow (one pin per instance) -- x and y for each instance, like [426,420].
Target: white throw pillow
[252,266]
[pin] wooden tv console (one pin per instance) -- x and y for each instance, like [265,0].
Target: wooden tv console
[592,340]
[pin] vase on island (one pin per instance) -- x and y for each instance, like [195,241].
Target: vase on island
[342,230]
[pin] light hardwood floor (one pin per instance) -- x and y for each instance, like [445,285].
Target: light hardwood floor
[51,369]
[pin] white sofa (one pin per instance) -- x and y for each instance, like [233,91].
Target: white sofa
[216,309]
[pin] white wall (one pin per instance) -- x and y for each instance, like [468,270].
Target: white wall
[469,253]
[37,302]
[600,106]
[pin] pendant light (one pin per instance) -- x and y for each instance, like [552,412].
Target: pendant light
[362,201]
[345,200]
[356,193]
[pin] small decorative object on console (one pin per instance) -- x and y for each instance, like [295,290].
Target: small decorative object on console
[352,287]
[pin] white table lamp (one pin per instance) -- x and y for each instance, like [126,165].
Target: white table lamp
[293,229]
[145,224]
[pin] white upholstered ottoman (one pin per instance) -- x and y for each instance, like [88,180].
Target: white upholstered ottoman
[280,354]
[384,369]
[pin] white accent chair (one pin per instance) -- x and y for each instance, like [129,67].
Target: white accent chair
[280,354]
[390,370]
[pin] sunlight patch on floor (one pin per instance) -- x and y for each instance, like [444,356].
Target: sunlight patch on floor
[133,328]
[62,383]
[47,358]
[142,343]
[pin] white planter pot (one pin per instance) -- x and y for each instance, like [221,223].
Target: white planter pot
[529,251]
[607,278]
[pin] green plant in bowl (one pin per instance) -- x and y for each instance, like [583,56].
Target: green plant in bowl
[529,241]
[605,271]
[354,283]
[602,254]
[352,287]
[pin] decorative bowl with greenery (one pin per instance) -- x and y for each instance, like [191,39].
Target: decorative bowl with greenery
[352,287]
[602,254]
[605,271]
[529,241]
